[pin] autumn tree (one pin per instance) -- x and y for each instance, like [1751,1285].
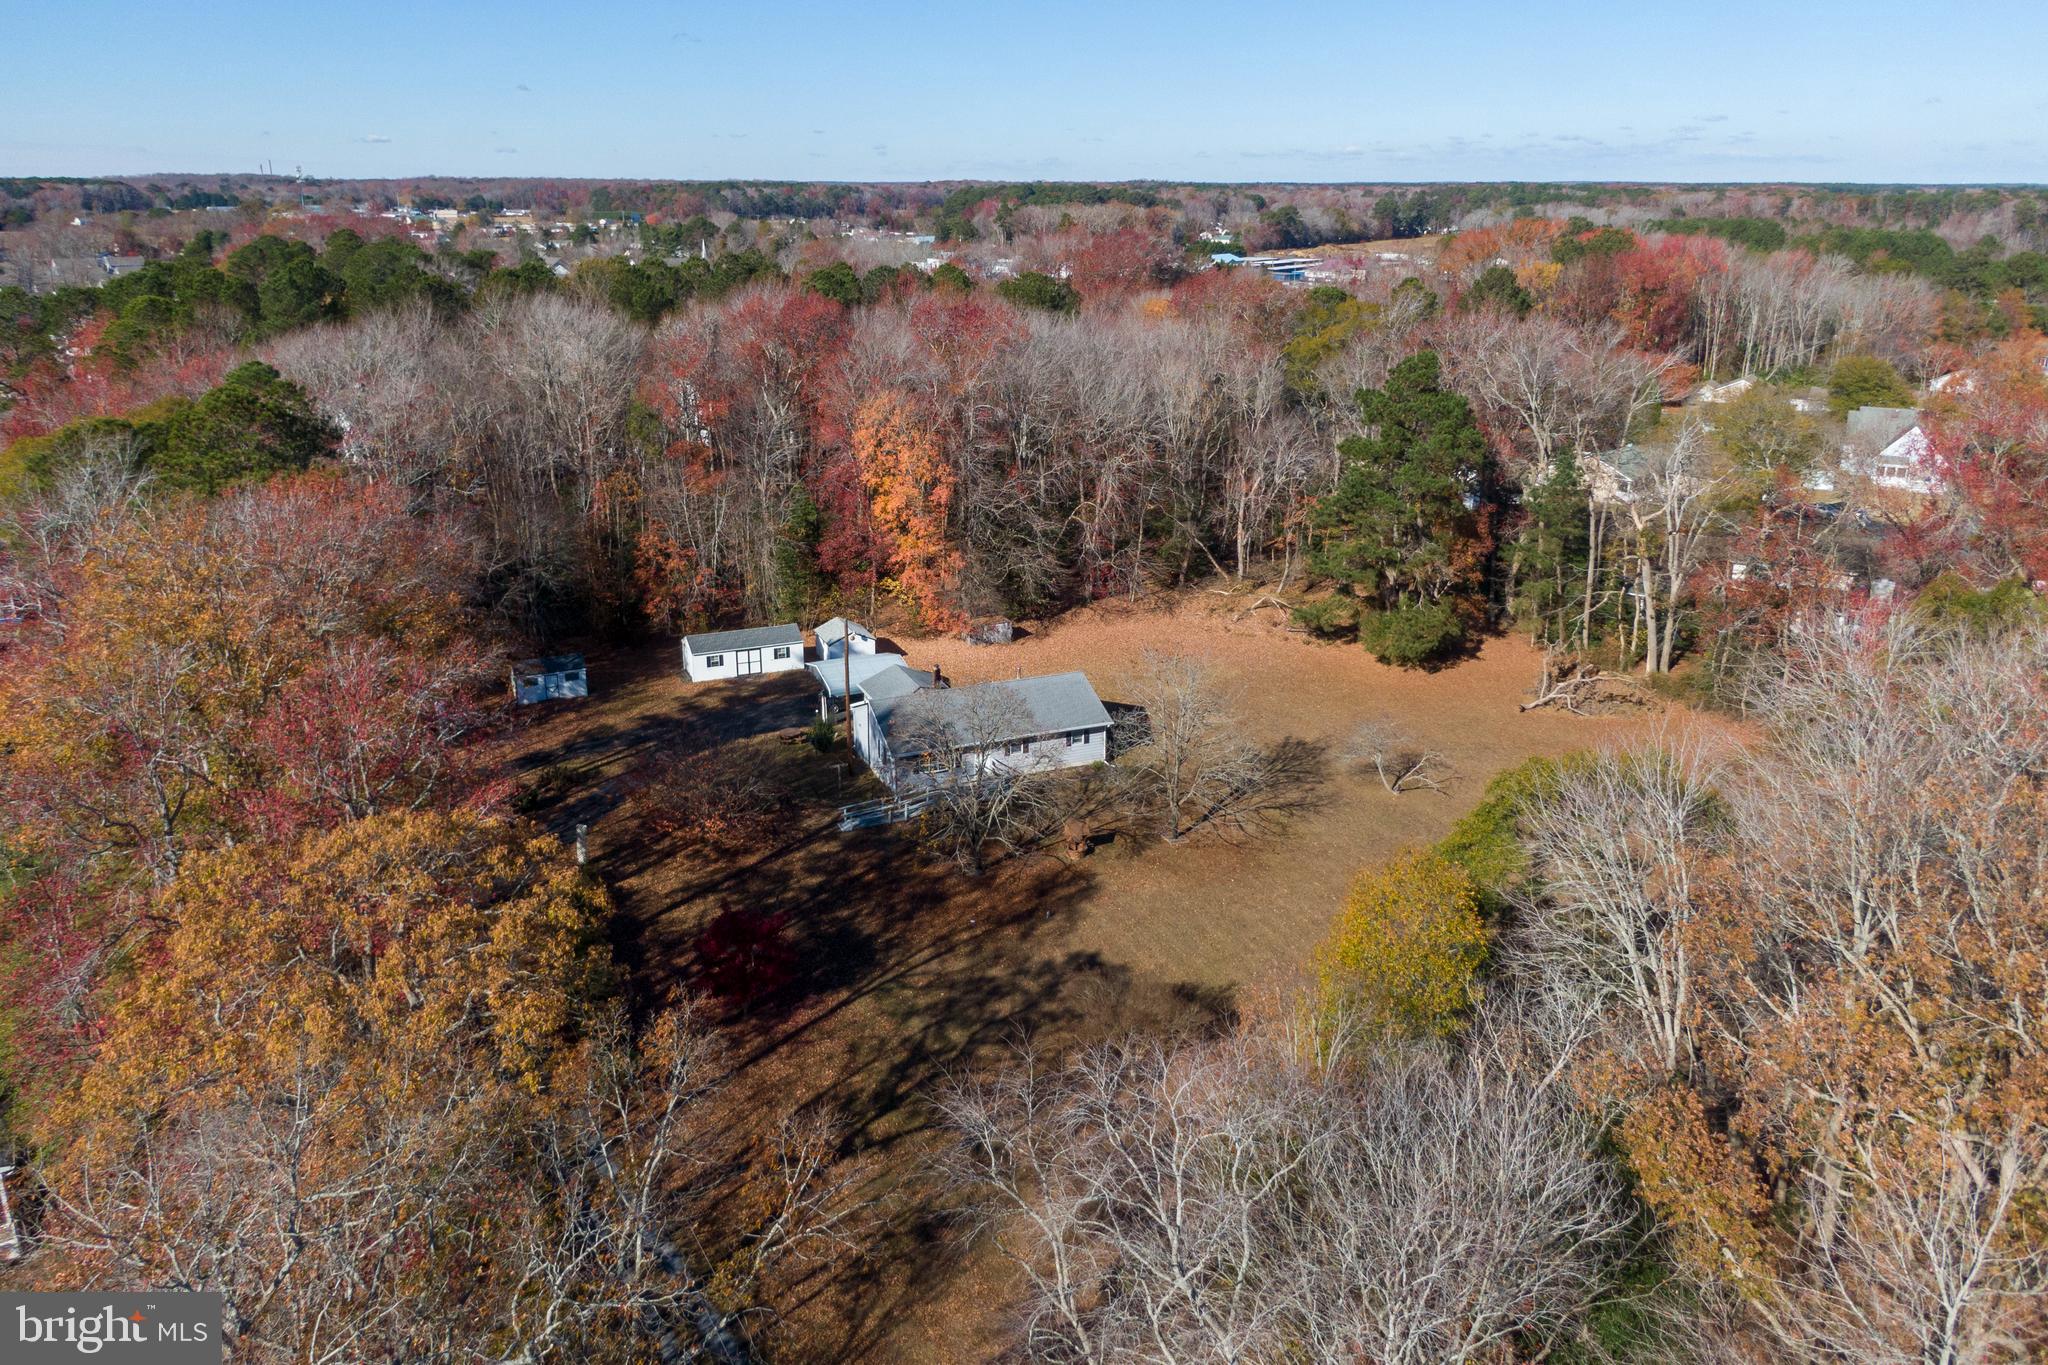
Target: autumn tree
[910,481]
[374,1095]
[1403,958]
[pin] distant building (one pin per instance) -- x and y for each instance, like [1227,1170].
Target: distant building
[116,266]
[1611,474]
[838,635]
[1723,393]
[1889,447]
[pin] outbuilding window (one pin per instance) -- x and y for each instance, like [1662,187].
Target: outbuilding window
[782,651]
[714,661]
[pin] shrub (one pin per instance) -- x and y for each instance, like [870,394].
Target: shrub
[745,954]
[1412,636]
[1328,617]
[1487,844]
[822,735]
[1950,601]
[1035,290]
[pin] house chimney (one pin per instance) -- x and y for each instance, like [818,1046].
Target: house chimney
[938,676]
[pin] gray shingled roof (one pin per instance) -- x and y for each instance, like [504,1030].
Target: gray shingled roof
[897,680]
[754,637]
[837,627]
[1879,427]
[866,670]
[1027,708]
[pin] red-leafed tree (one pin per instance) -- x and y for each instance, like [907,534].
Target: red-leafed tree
[1990,442]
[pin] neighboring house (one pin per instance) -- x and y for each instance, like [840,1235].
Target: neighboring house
[1889,447]
[915,736]
[1724,393]
[742,653]
[117,266]
[555,678]
[1611,474]
[839,635]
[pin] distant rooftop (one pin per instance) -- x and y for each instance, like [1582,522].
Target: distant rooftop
[1878,427]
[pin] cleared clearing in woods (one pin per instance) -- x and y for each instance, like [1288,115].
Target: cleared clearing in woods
[907,971]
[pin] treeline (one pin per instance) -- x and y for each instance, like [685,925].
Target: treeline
[1982,270]
[679,445]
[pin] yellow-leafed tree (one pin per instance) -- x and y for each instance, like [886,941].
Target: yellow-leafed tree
[1405,954]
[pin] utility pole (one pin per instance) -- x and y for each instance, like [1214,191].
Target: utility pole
[846,678]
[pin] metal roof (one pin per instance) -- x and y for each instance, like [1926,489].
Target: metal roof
[1056,704]
[1878,427]
[864,668]
[753,637]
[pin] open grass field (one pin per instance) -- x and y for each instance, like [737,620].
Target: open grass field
[908,971]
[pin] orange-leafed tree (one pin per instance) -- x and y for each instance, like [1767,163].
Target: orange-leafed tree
[910,482]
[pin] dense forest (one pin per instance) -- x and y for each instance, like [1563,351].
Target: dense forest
[1715,1048]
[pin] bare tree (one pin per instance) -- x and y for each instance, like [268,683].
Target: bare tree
[1203,773]
[1615,848]
[1221,1200]
[1401,761]
[976,766]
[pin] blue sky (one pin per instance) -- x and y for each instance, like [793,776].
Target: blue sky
[1824,91]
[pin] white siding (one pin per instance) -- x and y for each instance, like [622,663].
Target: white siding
[1040,755]
[700,668]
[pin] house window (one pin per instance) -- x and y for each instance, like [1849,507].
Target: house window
[1017,746]
[1076,737]
[714,661]
[782,651]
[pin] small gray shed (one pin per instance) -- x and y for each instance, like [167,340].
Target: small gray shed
[554,678]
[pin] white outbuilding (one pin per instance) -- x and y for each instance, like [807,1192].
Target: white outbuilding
[743,653]
[839,636]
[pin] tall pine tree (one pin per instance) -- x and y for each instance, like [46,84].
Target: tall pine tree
[1551,551]
[1403,531]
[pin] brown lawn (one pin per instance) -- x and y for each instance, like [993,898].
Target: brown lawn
[910,972]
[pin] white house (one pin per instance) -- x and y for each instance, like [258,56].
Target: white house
[1889,447]
[839,635]
[557,678]
[743,653]
[912,734]
[1724,393]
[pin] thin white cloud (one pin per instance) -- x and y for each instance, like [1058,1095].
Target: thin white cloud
[374,138]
